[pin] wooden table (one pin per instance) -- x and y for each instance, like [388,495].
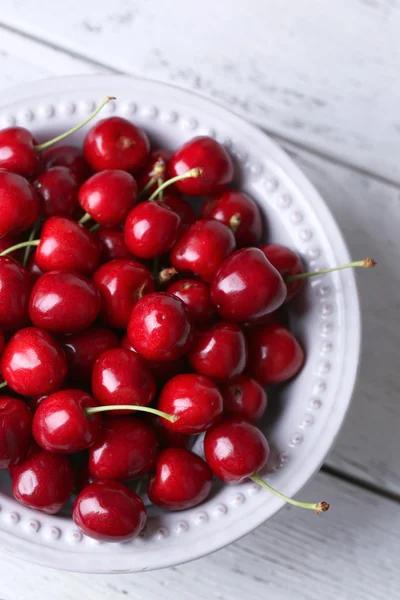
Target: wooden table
[323,78]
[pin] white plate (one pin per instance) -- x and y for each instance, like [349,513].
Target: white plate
[312,407]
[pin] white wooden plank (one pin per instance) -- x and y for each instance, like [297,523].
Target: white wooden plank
[322,73]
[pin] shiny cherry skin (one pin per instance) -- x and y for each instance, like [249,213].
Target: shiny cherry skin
[151,229]
[209,155]
[274,355]
[219,351]
[60,423]
[127,449]
[195,399]
[69,157]
[84,348]
[17,151]
[19,204]
[122,377]
[15,431]
[181,480]
[43,481]
[32,267]
[57,189]
[67,246]
[178,204]
[196,296]
[238,211]
[235,449]
[247,287]
[33,363]
[121,283]
[108,511]
[202,248]
[64,302]
[108,196]
[15,290]
[115,143]
[166,437]
[244,397]
[156,165]
[159,327]
[113,244]
[287,262]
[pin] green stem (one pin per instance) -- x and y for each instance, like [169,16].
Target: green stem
[21,245]
[160,193]
[30,238]
[95,227]
[86,217]
[62,136]
[147,187]
[3,385]
[97,409]
[367,263]
[196,172]
[319,507]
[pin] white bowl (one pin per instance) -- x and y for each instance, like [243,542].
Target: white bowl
[312,407]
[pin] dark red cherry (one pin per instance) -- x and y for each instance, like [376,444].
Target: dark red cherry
[108,511]
[15,431]
[64,302]
[115,143]
[17,151]
[122,377]
[178,204]
[2,341]
[121,283]
[15,289]
[19,204]
[127,449]
[202,248]
[247,287]
[61,425]
[57,189]
[69,157]
[287,262]
[8,242]
[43,481]
[162,371]
[211,157]
[151,229]
[196,296]
[108,196]
[274,355]
[166,437]
[219,351]
[84,348]
[33,363]
[113,244]
[195,399]
[235,449]
[67,246]
[181,480]
[244,397]
[159,327]
[155,167]
[32,267]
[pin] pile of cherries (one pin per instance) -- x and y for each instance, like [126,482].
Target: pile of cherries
[129,324]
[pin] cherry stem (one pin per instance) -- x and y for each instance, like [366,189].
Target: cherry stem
[161,193]
[234,222]
[166,274]
[30,239]
[95,227]
[195,172]
[3,385]
[62,136]
[367,263]
[86,217]
[97,409]
[21,245]
[147,187]
[319,507]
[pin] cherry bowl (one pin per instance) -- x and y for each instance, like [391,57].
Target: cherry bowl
[304,416]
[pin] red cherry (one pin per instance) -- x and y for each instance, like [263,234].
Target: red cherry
[287,262]
[127,449]
[115,143]
[15,289]
[277,316]
[244,397]
[247,286]
[239,212]
[108,197]
[43,481]
[57,189]
[235,449]
[33,363]
[274,355]
[154,169]
[195,399]
[113,244]
[202,248]
[162,371]
[109,511]
[84,348]
[121,283]
[196,296]
[2,342]
[15,431]
[19,204]
[159,327]
[64,302]
[122,377]
[219,351]
[181,480]
[32,267]
[166,437]
[69,157]
[35,402]
[60,423]
[17,152]
[8,242]
[178,204]
[151,229]
[209,155]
